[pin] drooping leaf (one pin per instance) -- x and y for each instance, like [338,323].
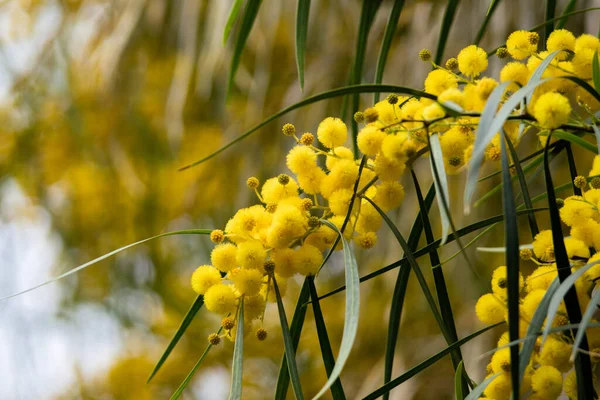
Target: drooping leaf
[238,357]
[235,10]
[337,391]
[107,255]
[302,14]
[283,380]
[427,363]
[248,18]
[313,99]
[189,376]
[390,30]
[350,314]
[445,30]
[187,320]
[290,353]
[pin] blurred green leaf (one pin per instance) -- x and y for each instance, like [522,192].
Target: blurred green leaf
[596,72]
[550,12]
[235,10]
[569,8]
[301,34]
[488,16]
[445,30]
[388,37]
[238,356]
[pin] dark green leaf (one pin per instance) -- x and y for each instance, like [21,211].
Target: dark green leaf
[107,255]
[458,380]
[596,72]
[283,380]
[337,391]
[488,16]
[301,34]
[445,30]
[550,12]
[571,138]
[290,353]
[187,320]
[569,8]
[390,30]
[248,18]
[238,357]
[351,312]
[189,376]
[584,85]
[235,10]
[425,364]
[313,99]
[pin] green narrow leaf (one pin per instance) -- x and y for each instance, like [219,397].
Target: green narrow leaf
[585,321]
[400,290]
[238,357]
[302,14]
[533,226]
[568,9]
[572,169]
[290,353]
[351,312]
[367,16]
[596,72]
[283,380]
[445,30]
[189,376]
[571,138]
[511,239]
[337,391]
[488,16]
[370,88]
[583,366]
[187,320]
[424,250]
[427,363]
[439,280]
[478,391]
[107,255]
[584,85]
[235,10]
[388,37]
[550,12]
[458,380]
[248,18]
[441,183]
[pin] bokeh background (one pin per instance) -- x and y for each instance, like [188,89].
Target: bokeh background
[102,101]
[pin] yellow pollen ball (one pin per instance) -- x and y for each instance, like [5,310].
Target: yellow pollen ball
[489,309]
[223,257]
[204,277]
[221,299]
[472,61]
[519,46]
[561,39]
[514,72]
[273,192]
[301,159]
[552,110]
[308,259]
[332,132]
[285,262]
[438,81]
[389,195]
[251,254]
[246,281]
[546,382]
[369,140]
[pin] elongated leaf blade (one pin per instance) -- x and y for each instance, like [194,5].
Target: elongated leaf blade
[189,376]
[283,380]
[596,72]
[187,320]
[351,313]
[235,10]
[337,391]
[248,18]
[302,14]
[568,9]
[388,37]
[478,391]
[427,363]
[488,16]
[370,88]
[458,375]
[445,30]
[585,321]
[107,255]
[441,184]
[238,357]
[572,138]
[550,12]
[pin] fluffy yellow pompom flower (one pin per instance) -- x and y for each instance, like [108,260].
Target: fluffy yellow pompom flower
[514,72]
[311,180]
[587,41]
[301,159]
[438,81]
[485,87]
[552,110]
[386,112]
[531,302]
[519,46]
[282,284]
[489,309]
[561,39]
[341,153]
[433,111]
[273,191]
[254,307]
[472,61]
[576,248]
[339,201]
[246,281]
[220,299]
[570,385]
[543,246]
[369,140]
[387,169]
[501,360]
[285,262]
[499,282]
[223,257]
[289,222]
[582,63]
[204,277]
[586,232]
[389,195]
[454,95]
[392,147]
[541,278]
[366,240]
[575,211]
[343,175]
[332,132]
[594,271]
[499,388]
[546,382]
[251,254]
[308,259]
[556,353]
[369,220]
